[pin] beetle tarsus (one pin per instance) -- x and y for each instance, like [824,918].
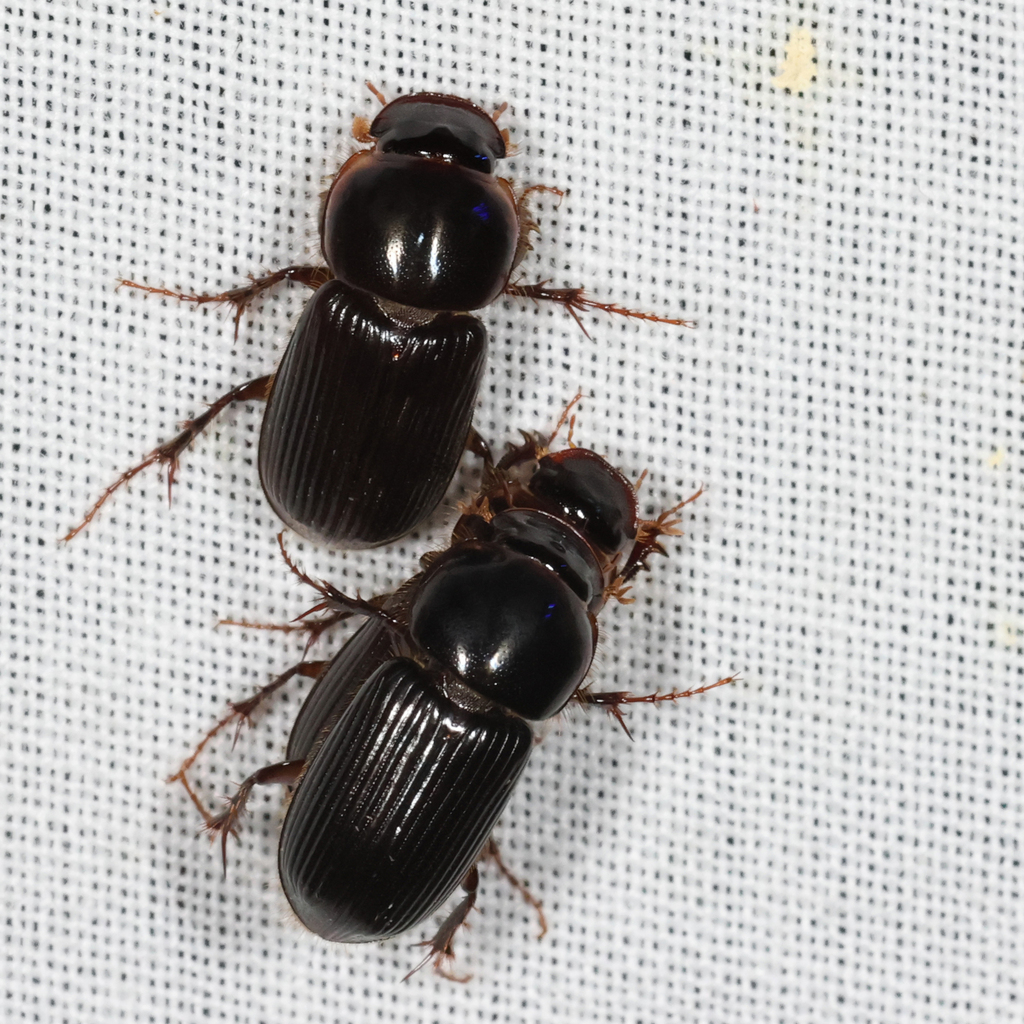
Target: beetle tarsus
[168,453]
[225,822]
[492,853]
[205,814]
[240,298]
[575,301]
[613,702]
[440,946]
[312,628]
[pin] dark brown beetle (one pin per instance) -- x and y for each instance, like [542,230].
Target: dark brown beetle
[408,747]
[371,407]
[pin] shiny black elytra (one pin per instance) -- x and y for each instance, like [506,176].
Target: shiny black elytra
[371,407]
[351,448]
[407,749]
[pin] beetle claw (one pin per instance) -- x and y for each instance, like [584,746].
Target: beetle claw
[492,853]
[168,453]
[440,946]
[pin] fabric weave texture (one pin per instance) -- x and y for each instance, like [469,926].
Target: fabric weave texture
[832,192]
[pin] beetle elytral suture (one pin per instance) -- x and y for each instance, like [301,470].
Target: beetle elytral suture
[407,748]
[371,406]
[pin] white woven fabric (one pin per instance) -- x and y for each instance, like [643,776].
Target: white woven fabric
[836,837]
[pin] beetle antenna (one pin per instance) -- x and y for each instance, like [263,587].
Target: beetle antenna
[573,402]
[376,92]
[666,525]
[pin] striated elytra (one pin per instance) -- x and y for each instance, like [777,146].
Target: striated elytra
[408,747]
[367,420]
[396,805]
[371,406]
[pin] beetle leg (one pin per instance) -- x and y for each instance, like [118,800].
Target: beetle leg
[536,445]
[341,606]
[440,946]
[480,448]
[312,628]
[613,702]
[496,476]
[575,301]
[532,447]
[527,222]
[647,543]
[168,453]
[225,822]
[242,297]
[491,852]
[241,712]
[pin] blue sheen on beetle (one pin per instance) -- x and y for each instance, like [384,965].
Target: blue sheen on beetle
[409,745]
[423,723]
[415,230]
[418,228]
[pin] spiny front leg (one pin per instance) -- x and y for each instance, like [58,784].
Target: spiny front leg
[648,543]
[240,298]
[575,301]
[614,702]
